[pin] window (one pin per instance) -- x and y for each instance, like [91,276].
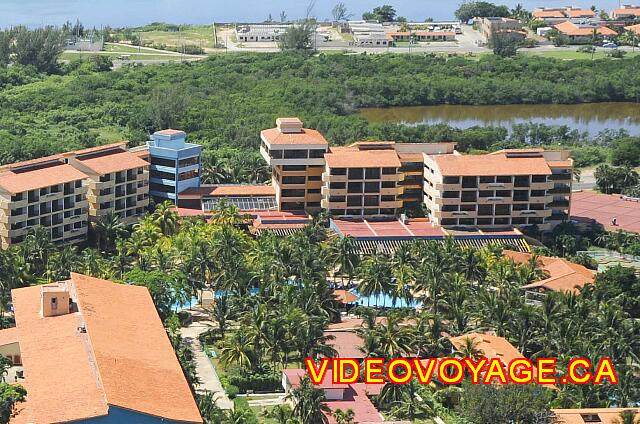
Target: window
[486,193]
[539,179]
[503,193]
[388,171]
[294,168]
[503,210]
[449,221]
[484,221]
[372,173]
[468,208]
[275,154]
[451,195]
[292,193]
[503,179]
[372,187]
[449,208]
[521,195]
[469,182]
[338,171]
[521,182]
[451,180]
[355,188]
[188,175]
[354,201]
[487,180]
[316,153]
[388,184]
[469,196]
[314,178]
[388,198]
[163,175]
[590,418]
[296,154]
[371,201]
[467,221]
[538,193]
[356,173]
[485,210]
[337,186]
[336,199]
[154,161]
[313,191]
[293,180]
[501,221]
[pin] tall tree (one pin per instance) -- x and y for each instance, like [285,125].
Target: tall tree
[39,48]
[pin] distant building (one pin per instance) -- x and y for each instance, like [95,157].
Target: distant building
[626,12]
[511,28]
[553,16]
[251,33]
[422,36]
[175,164]
[633,28]
[369,34]
[580,32]
[113,360]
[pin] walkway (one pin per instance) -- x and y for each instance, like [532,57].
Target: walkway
[206,371]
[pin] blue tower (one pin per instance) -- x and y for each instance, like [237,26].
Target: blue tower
[175,164]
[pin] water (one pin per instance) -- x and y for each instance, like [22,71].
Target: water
[587,117]
[139,12]
[384,301]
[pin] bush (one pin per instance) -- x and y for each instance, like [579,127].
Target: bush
[268,382]
[617,54]
[232,391]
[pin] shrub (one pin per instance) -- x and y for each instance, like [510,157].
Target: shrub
[232,391]
[267,382]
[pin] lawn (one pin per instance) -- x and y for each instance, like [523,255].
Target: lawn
[196,35]
[131,56]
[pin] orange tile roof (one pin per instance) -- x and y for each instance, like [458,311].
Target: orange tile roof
[274,137]
[491,346]
[39,178]
[352,157]
[345,343]
[563,275]
[549,13]
[115,162]
[345,296]
[569,28]
[574,416]
[123,360]
[629,11]
[229,190]
[169,132]
[489,165]
[580,13]
[634,28]
[100,148]
[8,336]
[410,157]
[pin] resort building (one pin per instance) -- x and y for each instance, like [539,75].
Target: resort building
[46,192]
[502,189]
[175,164]
[422,36]
[296,156]
[113,360]
[626,12]
[117,180]
[504,26]
[634,29]
[561,274]
[251,33]
[591,415]
[550,16]
[580,31]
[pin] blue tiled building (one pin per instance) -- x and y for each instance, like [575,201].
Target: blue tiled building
[175,164]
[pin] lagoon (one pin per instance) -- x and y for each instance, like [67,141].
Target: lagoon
[586,117]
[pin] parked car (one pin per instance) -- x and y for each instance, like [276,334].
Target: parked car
[610,45]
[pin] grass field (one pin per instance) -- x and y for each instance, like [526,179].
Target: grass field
[196,35]
[131,56]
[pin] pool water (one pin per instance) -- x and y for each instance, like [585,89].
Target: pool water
[384,301]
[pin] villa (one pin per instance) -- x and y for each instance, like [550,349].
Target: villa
[590,415]
[626,12]
[583,31]
[562,275]
[94,351]
[553,16]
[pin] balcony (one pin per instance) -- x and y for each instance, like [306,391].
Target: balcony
[560,177]
[560,189]
[563,204]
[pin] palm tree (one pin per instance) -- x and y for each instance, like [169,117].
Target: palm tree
[282,414]
[469,349]
[343,417]
[37,249]
[238,350]
[375,275]
[403,272]
[108,228]
[309,403]
[166,218]
[343,255]
[628,417]
[213,171]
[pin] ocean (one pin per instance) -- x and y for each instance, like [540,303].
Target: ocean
[117,13]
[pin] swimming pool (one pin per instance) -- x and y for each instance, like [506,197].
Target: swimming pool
[384,301]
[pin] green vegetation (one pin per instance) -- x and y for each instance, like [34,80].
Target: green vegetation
[480,9]
[224,101]
[385,13]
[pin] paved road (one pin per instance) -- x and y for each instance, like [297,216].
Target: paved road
[206,371]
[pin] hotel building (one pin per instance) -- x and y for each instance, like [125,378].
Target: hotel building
[117,180]
[516,187]
[45,192]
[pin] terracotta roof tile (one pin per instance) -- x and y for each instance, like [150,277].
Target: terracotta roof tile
[116,162]
[39,178]
[629,11]
[169,132]
[121,144]
[308,136]
[345,343]
[8,336]
[574,416]
[491,346]
[580,13]
[489,165]
[345,296]
[551,13]
[569,28]
[348,157]
[563,275]
[634,28]
[124,359]
[229,190]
